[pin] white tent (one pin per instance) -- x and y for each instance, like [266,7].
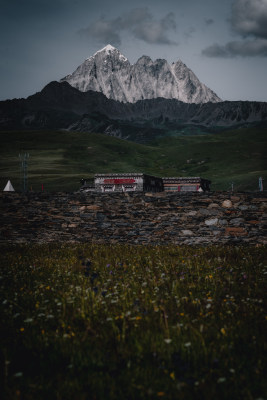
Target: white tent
[9,187]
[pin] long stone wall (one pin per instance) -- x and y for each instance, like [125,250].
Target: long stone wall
[134,218]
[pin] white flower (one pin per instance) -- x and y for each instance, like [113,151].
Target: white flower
[188,344]
[168,341]
[18,375]
[221,380]
[28,320]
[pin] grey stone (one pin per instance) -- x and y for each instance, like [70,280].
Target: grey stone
[243,208]
[204,211]
[187,232]
[212,221]
[106,225]
[213,205]
[191,213]
[237,221]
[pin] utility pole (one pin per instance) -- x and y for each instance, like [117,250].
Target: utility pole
[24,170]
[261,184]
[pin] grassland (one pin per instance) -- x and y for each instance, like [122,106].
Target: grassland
[121,322]
[60,159]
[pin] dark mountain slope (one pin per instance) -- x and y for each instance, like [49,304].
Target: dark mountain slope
[60,106]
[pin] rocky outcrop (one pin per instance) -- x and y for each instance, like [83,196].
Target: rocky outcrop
[134,218]
[109,72]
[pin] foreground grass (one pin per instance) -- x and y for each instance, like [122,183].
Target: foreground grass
[119,322]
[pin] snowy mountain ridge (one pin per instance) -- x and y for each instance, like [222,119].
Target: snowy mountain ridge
[108,49]
[110,72]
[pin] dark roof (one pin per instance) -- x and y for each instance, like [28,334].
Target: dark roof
[184,179]
[125,174]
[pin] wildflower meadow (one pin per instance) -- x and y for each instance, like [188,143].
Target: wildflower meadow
[124,322]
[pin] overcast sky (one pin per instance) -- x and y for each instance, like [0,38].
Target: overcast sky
[224,42]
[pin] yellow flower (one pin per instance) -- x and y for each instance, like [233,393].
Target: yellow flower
[160,394]
[138,317]
[22,329]
[172,375]
[223,331]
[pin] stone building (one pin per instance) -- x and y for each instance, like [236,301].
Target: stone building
[128,182]
[186,184]
[138,182]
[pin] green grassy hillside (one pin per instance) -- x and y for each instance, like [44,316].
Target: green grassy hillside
[60,159]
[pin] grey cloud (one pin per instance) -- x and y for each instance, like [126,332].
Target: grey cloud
[189,32]
[249,17]
[154,31]
[139,22]
[103,31]
[245,48]
[209,21]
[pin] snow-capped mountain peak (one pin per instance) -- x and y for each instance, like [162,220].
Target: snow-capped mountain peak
[108,50]
[108,47]
[109,72]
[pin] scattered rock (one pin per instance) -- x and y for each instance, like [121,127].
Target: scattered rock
[235,198]
[191,213]
[227,204]
[217,233]
[237,221]
[213,205]
[187,232]
[235,231]
[212,221]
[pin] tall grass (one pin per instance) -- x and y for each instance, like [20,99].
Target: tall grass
[122,322]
